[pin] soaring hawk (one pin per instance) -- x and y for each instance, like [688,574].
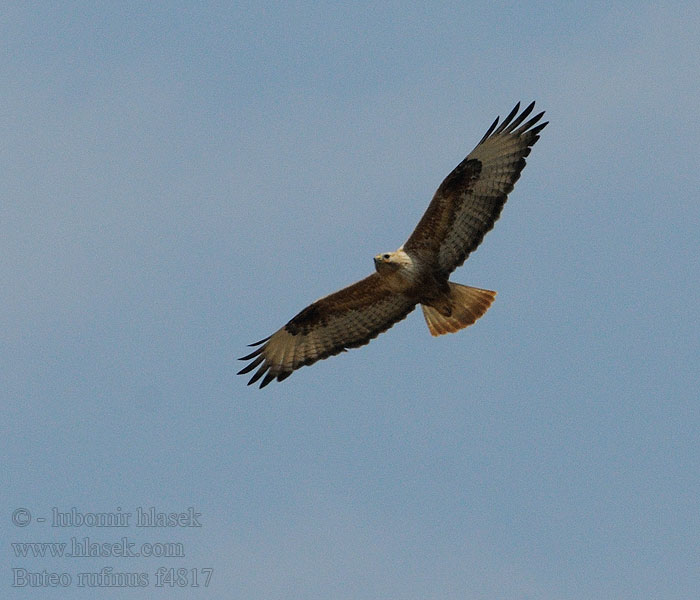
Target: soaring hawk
[464,208]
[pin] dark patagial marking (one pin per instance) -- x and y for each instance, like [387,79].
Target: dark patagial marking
[456,182]
[305,320]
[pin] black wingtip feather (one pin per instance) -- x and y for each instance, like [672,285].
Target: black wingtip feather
[251,366]
[539,128]
[490,130]
[512,122]
[259,373]
[268,378]
[530,123]
[253,354]
[520,118]
[508,119]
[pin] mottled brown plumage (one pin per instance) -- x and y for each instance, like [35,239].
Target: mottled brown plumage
[463,209]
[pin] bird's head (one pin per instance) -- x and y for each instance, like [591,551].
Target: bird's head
[387,262]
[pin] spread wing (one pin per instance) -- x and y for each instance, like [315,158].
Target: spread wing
[346,319]
[470,199]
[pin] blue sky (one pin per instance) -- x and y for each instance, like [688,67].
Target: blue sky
[179,180]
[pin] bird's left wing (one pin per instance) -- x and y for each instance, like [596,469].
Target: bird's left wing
[346,319]
[470,199]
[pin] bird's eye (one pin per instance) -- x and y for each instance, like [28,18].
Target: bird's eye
[386,257]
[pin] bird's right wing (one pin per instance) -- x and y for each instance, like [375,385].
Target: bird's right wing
[346,319]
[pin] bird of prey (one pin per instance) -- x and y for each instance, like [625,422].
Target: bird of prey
[463,209]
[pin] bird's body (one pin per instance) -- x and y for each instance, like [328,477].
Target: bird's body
[463,210]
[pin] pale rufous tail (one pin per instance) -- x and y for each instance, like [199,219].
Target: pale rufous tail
[468,304]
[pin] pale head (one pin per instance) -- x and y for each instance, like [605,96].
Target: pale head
[391,262]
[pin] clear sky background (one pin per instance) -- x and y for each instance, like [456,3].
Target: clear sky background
[178,179]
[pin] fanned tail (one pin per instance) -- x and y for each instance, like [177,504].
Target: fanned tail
[467,303]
